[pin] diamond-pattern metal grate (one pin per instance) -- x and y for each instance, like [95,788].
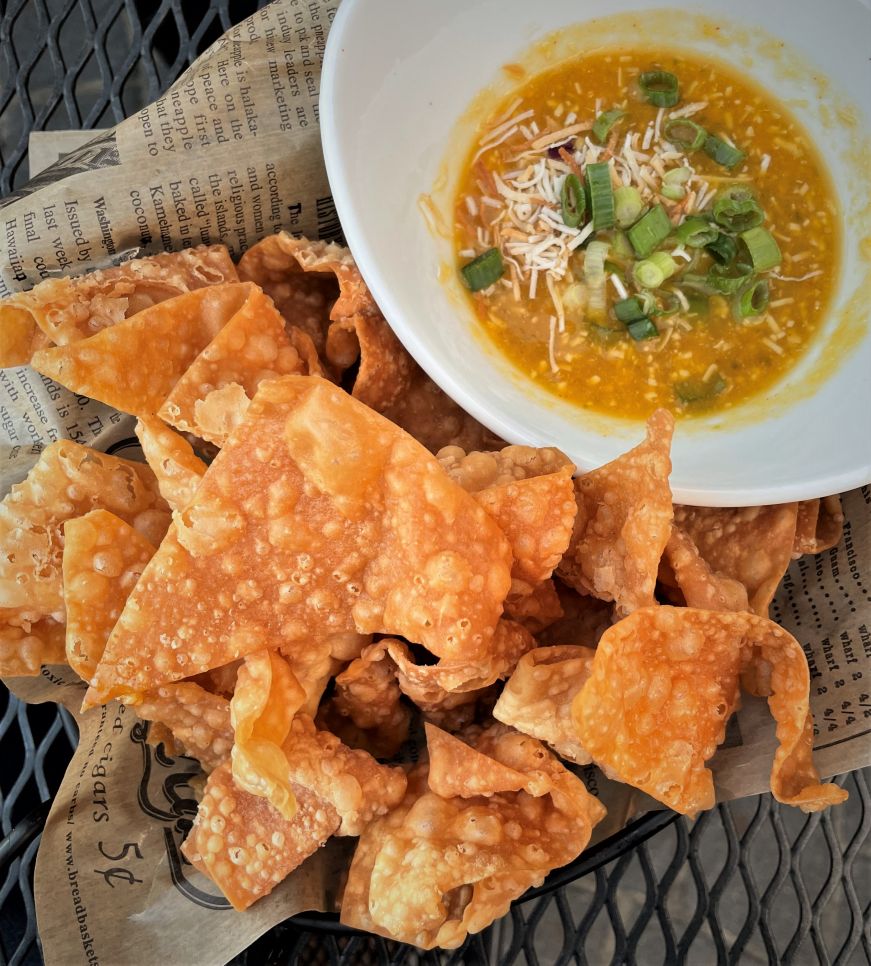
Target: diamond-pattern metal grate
[750,882]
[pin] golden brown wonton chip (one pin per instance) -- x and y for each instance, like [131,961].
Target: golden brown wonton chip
[312,475]
[623,522]
[368,697]
[385,368]
[476,471]
[245,846]
[134,365]
[198,720]
[64,310]
[305,279]
[665,682]
[457,769]
[435,420]
[23,650]
[437,869]
[536,515]
[67,481]
[537,698]
[684,569]
[819,525]
[351,780]
[211,397]
[313,665]
[752,545]
[103,558]
[448,684]
[265,699]
[172,459]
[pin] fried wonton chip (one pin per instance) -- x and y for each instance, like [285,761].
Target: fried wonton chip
[752,545]
[245,846]
[103,558]
[251,347]
[536,610]
[220,680]
[172,459]
[134,365]
[317,517]
[435,687]
[23,650]
[64,310]
[198,720]
[429,415]
[536,515]
[476,471]
[19,335]
[819,525]
[67,481]
[313,665]
[265,699]
[384,374]
[368,697]
[537,698]
[351,780]
[665,682]
[305,279]
[623,522]
[684,569]
[456,769]
[437,869]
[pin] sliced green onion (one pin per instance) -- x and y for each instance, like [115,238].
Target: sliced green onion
[674,192]
[752,300]
[605,121]
[736,209]
[722,249]
[697,390]
[677,176]
[627,205]
[620,243]
[484,270]
[722,152]
[649,231]
[629,310]
[573,201]
[659,87]
[762,248]
[601,194]
[695,232]
[718,281]
[653,271]
[684,133]
[594,276]
[642,329]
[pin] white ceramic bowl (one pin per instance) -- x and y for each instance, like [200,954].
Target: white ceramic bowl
[399,79]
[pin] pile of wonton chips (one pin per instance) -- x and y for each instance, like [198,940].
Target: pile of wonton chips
[323,556]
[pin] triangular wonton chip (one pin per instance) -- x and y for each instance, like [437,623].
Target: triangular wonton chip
[134,365]
[317,517]
[64,310]
[624,522]
[251,347]
[172,459]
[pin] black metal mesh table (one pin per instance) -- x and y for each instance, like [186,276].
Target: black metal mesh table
[748,882]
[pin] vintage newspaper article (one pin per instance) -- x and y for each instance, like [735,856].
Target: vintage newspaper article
[230,154]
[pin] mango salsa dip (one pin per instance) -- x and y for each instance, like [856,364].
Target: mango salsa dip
[639,228]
